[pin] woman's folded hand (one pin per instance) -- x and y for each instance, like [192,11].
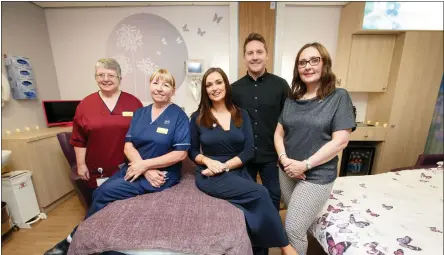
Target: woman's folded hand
[213,165]
[135,169]
[207,172]
[155,177]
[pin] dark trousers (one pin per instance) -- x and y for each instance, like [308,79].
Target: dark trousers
[263,221]
[269,173]
[116,188]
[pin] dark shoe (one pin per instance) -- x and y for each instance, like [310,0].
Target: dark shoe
[59,249]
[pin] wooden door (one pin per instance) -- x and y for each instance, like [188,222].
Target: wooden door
[256,17]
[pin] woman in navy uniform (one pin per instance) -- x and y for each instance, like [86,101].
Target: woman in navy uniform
[224,133]
[156,143]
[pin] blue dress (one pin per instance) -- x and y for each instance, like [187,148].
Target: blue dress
[236,186]
[169,132]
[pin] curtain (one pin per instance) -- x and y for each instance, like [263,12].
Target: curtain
[435,139]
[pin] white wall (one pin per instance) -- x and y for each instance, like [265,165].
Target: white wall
[81,36]
[24,33]
[301,23]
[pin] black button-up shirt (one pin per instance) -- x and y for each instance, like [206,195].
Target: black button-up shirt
[264,100]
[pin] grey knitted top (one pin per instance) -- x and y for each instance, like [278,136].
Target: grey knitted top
[309,125]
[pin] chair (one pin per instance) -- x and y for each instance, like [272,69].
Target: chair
[423,161]
[429,159]
[81,188]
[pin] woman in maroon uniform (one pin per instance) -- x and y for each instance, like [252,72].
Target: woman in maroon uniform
[100,124]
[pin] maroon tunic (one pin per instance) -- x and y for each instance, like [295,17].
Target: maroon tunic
[102,132]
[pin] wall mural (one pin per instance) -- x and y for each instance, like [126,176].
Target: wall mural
[142,43]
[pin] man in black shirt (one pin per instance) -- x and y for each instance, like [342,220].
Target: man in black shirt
[263,95]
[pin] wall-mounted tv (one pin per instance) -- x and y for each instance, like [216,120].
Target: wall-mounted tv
[60,112]
[403,16]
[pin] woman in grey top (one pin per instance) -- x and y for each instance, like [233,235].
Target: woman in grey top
[314,126]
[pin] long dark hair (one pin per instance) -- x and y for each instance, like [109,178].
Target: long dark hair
[206,118]
[328,78]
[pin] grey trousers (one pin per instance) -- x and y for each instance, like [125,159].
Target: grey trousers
[304,201]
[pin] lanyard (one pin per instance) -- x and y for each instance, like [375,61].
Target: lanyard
[100,170]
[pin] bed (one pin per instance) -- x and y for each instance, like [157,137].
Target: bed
[179,220]
[393,213]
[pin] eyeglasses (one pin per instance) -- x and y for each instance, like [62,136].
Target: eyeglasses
[313,62]
[104,75]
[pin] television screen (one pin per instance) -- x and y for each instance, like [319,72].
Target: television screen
[194,67]
[60,112]
[403,15]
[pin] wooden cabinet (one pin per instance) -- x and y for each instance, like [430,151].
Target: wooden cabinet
[362,60]
[368,134]
[370,61]
[412,98]
[351,19]
[407,67]
[39,151]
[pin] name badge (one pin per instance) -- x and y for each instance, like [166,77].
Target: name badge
[100,181]
[162,130]
[127,114]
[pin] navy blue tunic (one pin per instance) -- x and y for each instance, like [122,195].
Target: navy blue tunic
[169,132]
[236,186]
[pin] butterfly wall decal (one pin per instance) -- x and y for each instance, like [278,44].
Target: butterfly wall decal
[200,32]
[216,18]
[185,29]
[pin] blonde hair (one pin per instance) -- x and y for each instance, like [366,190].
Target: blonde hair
[164,75]
[109,63]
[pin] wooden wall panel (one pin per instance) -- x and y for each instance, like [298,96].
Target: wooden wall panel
[417,86]
[260,18]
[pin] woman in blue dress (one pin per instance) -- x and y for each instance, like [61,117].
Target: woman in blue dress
[224,133]
[156,144]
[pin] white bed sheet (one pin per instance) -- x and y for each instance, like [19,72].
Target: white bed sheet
[392,213]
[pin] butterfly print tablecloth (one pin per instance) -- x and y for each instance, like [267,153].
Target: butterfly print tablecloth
[393,213]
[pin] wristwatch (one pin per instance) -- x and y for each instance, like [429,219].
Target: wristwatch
[226,168]
[307,164]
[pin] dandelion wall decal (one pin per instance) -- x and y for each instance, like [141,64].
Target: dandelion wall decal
[129,37]
[142,42]
[125,65]
[148,68]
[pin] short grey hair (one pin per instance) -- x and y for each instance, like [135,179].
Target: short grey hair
[109,63]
